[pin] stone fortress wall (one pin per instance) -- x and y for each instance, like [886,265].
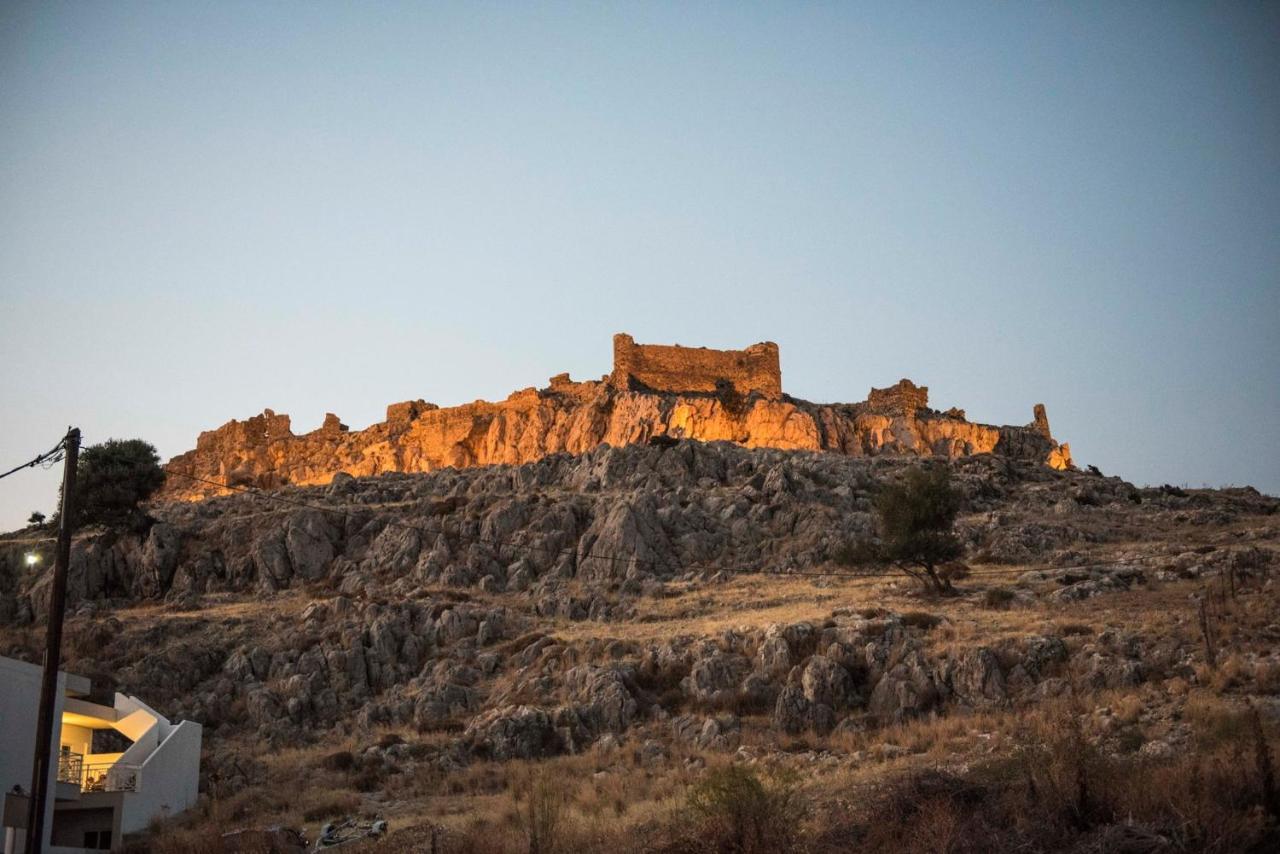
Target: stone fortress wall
[903,398]
[654,392]
[676,369]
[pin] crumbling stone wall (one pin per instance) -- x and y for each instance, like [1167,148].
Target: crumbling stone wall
[672,368]
[401,415]
[256,432]
[905,398]
[1040,421]
[707,395]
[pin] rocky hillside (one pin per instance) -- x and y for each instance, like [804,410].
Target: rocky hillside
[609,517]
[574,417]
[650,606]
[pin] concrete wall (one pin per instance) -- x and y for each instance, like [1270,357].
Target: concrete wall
[170,778]
[78,738]
[72,824]
[671,368]
[19,708]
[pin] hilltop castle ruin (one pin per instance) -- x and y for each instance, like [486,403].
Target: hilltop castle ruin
[676,369]
[653,391]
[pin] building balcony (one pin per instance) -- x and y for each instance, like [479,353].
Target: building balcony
[111,777]
[70,767]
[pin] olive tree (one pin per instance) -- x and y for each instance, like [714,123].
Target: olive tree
[113,478]
[914,524]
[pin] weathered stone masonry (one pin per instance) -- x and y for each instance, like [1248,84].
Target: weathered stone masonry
[653,391]
[904,398]
[672,368]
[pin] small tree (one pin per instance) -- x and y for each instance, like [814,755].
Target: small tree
[914,519]
[36,518]
[113,478]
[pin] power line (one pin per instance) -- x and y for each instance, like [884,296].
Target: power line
[871,576]
[46,459]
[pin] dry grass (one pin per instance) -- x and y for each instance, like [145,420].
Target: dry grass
[747,602]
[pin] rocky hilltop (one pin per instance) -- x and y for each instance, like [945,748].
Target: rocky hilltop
[635,616]
[654,393]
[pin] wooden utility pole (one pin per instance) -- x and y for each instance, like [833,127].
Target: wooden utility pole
[44,752]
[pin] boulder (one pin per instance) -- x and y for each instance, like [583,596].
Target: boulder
[813,696]
[774,655]
[513,732]
[602,696]
[716,678]
[309,544]
[976,679]
[907,688]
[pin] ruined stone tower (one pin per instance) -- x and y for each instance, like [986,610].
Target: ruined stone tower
[676,369]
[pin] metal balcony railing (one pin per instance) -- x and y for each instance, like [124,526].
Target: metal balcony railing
[111,777]
[70,767]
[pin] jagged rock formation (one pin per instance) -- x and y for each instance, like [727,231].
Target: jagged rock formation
[672,392]
[443,599]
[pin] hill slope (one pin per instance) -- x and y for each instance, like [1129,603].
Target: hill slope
[632,617]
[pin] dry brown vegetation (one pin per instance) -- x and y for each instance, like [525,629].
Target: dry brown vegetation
[1043,785]
[1071,774]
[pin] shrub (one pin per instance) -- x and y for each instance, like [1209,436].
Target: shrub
[1130,740]
[921,620]
[998,597]
[338,806]
[745,814]
[541,815]
[1266,675]
[343,760]
[1214,722]
[855,553]
[1264,764]
[1067,773]
[368,779]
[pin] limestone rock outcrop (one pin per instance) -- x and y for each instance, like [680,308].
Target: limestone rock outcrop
[653,394]
[505,605]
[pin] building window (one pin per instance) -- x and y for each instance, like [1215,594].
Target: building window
[99,840]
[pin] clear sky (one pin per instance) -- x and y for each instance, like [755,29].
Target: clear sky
[211,208]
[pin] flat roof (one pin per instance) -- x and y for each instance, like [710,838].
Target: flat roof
[73,682]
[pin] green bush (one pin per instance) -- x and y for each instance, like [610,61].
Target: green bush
[747,815]
[113,478]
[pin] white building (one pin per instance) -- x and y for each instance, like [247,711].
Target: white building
[95,798]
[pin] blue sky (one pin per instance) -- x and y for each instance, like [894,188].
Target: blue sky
[208,209]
